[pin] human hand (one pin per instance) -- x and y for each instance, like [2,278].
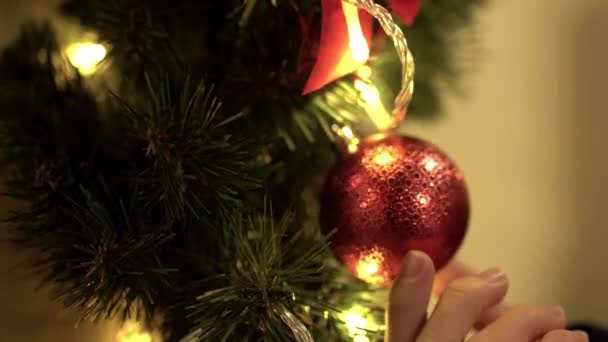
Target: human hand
[467,300]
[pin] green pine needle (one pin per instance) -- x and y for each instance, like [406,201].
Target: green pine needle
[104,262]
[268,271]
[189,163]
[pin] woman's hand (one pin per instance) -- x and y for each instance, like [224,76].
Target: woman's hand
[467,301]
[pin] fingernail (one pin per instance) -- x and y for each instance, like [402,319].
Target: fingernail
[493,275]
[558,312]
[412,264]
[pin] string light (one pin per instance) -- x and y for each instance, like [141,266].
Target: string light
[86,56]
[347,135]
[132,331]
[370,99]
[357,42]
[357,324]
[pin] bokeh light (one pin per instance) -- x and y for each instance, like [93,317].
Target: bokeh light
[86,56]
[133,331]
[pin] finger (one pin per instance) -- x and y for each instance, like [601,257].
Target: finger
[566,336]
[454,270]
[409,297]
[461,305]
[490,315]
[523,323]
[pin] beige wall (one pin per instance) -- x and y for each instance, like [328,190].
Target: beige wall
[532,138]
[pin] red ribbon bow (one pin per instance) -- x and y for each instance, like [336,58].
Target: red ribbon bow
[345,39]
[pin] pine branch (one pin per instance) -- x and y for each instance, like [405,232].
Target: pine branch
[268,271]
[103,261]
[48,128]
[188,162]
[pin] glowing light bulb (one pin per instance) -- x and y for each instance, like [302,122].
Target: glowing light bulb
[360,338]
[347,132]
[133,332]
[375,108]
[369,267]
[369,93]
[86,56]
[357,42]
[348,136]
[365,72]
[355,322]
[358,323]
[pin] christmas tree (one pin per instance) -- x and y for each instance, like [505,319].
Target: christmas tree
[170,166]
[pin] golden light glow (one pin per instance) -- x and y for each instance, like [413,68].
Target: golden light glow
[369,93]
[384,158]
[357,324]
[361,338]
[365,72]
[86,56]
[423,199]
[372,102]
[381,158]
[349,138]
[347,132]
[369,267]
[357,42]
[429,163]
[133,331]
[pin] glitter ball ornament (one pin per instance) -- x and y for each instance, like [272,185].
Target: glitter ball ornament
[395,194]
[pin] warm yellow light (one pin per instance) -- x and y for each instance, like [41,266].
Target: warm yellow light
[347,132]
[423,199]
[133,332]
[357,324]
[384,158]
[86,56]
[357,42]
[354,146]
[348,137]
[368,92]
[375,108]
[361,85]
[360,338]
[429,163]
[369,267]
[365,72]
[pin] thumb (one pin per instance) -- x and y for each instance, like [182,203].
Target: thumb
[409,298]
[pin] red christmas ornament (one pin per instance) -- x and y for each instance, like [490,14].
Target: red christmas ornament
[395,194]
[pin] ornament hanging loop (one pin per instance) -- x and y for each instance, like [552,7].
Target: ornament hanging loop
[393,31]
